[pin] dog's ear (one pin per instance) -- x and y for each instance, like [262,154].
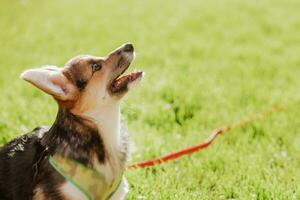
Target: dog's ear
[51,80]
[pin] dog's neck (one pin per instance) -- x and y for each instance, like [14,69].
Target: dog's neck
[108,121]
[75,137]
[96,134]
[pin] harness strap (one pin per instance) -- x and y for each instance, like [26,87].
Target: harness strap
[90,182]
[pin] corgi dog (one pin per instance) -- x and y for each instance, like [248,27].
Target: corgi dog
[87,129]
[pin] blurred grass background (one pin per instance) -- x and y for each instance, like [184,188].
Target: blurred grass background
[208,63]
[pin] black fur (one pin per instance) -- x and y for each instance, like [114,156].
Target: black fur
[81,84]
[24,161]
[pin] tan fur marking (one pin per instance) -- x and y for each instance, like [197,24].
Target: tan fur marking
[39,194]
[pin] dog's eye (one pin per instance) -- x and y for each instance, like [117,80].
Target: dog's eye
[96,67]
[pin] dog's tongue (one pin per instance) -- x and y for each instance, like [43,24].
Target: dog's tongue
[121,83]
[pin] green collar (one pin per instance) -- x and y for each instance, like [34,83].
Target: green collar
[90,182]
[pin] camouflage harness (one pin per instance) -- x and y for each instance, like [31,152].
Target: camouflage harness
[90,182]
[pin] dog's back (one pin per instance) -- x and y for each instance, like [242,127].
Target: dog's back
[18,164]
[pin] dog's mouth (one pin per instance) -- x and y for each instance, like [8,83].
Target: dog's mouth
[121,83]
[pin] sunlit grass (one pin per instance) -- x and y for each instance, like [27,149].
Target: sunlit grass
[208,63]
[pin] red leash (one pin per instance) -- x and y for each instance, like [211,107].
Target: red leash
[177,154]
[210,139]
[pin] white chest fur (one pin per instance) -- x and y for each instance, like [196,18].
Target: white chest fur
[108,121]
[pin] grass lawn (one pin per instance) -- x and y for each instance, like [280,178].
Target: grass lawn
[208,63]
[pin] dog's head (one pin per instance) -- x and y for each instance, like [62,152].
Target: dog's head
[87,82]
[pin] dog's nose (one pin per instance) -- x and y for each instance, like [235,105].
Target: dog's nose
[128,47]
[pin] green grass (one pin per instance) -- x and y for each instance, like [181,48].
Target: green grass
[208,63]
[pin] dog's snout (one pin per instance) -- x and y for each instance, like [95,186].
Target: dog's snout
[128,47]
